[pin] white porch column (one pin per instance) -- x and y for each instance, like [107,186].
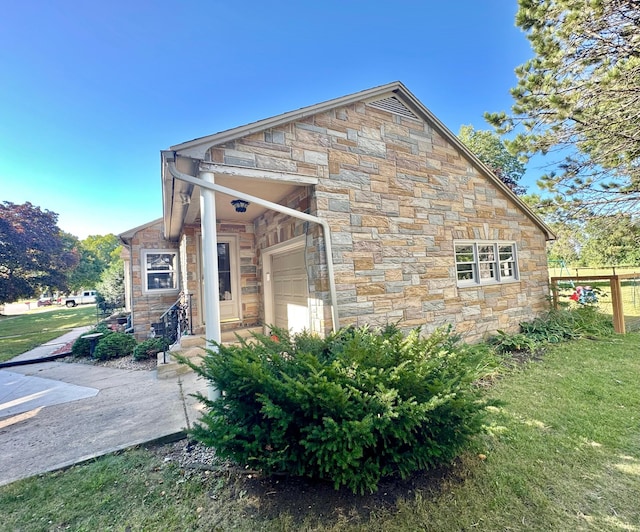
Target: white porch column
[210,267]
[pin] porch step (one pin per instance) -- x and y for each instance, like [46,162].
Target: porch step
[172,368]
[192,347]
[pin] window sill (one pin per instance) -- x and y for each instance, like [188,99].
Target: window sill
[493,283]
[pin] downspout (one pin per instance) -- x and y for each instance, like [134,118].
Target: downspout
[279,208]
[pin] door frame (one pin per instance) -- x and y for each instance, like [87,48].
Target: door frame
[283,247]
[234,256]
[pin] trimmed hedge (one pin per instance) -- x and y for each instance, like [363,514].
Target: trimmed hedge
[353,408]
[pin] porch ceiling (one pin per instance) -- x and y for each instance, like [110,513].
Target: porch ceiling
[261,188]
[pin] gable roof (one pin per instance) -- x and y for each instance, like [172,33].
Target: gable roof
[129,234]
[394,97]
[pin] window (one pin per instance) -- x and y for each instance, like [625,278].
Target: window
[485,262]
[160,270]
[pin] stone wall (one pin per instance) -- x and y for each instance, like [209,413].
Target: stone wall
[397,194]
[146,308]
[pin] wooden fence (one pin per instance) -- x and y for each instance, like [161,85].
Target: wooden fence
[618,302]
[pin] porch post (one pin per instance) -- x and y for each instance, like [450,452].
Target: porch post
[210,267]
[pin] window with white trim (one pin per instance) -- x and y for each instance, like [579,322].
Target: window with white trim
[160,270]
[481,262]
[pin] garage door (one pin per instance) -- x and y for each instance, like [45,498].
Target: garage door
[290,290]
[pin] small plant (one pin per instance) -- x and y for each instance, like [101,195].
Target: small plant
[114,345]
[149,348]
[512,343]
[351,408]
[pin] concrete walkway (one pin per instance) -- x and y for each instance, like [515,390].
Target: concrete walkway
[49,347]
[55,414]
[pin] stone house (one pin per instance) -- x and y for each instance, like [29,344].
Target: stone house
[360,210]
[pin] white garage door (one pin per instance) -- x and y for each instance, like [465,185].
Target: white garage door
[290,290]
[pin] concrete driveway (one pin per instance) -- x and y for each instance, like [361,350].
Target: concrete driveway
[55,414]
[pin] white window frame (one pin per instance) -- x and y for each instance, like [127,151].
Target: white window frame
[489,262]
[146,271]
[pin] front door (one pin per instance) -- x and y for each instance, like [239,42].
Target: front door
[228,280]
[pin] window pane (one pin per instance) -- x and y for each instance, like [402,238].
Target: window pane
[506,269]
[465,272]
[506,252]
[160,281]
[487,270]
[161,261]
[486,253]
[224,272]
[464,253]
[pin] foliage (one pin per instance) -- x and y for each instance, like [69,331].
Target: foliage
[149,348]
[554,327]
[611,241]
[97,253]
[111,286]
[82,346]
[566,437]
[352,408]
[512,343]
[114,345]
[34,254]
[579,97]
[491,150]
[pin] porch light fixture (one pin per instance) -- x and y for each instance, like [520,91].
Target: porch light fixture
[240,205]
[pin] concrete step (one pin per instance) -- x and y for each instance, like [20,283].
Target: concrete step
[192,347]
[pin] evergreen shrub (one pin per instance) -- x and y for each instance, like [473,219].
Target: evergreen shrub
[149,348]
[82,346]
[353,408]
[114,345]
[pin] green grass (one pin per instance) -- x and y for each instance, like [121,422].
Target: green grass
[23,332]
[562,453]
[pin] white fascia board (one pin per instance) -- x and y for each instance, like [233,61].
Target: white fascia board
[258,173]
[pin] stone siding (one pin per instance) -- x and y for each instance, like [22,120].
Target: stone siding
[146,308]
[397,194]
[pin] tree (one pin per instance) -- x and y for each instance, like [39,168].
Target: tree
[96,254]
[609,244]
[491,150]
[579,98]
[34,254]
[111,286]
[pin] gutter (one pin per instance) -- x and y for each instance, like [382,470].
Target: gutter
[171,165]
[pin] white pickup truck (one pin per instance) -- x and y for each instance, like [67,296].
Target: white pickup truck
[87,296]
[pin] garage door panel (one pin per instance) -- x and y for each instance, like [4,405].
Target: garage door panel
[290,290]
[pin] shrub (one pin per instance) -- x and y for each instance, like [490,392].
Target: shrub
[149,348]
[352,408]
[114,345]
[512,343]
[81,347]
[553,327]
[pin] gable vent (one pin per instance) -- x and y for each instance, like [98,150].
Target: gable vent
[393,105]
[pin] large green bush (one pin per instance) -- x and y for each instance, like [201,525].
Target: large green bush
[82,346]
[114,345]
[352,408]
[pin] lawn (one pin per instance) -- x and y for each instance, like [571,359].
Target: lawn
[562,452]
[23,332]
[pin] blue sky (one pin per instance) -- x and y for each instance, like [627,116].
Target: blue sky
[90,92]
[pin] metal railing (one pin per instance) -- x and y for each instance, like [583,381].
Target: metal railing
[174,323]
